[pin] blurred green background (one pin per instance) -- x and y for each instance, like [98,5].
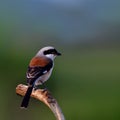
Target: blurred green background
[86,78]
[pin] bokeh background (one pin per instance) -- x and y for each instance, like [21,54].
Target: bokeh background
[86,78]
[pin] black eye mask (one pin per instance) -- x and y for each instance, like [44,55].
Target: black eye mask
[51,51]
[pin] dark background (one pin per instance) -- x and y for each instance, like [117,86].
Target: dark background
[86,78]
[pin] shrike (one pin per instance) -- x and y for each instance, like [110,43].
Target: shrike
[39,70]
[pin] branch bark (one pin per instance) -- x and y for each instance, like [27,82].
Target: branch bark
[44,96]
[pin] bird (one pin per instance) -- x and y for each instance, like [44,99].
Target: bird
[39,70]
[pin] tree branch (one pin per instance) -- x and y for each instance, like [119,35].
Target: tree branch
[44,96]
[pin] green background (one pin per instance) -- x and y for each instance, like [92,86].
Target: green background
[86,78]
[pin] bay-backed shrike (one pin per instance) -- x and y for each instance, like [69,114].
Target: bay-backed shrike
[39,70]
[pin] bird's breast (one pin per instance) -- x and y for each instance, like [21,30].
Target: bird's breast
[43,78]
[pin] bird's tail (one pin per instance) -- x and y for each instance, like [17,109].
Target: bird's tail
[26,98]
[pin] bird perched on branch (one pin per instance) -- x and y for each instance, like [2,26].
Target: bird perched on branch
[39,70]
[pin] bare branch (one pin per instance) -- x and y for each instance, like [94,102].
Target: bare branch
[44,96]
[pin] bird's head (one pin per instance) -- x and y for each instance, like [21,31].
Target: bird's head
[49,52]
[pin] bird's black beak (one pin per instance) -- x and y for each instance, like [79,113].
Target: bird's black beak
[58,54]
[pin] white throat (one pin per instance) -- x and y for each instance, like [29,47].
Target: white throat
[51,56]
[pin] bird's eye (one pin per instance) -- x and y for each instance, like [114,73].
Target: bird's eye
[51,51]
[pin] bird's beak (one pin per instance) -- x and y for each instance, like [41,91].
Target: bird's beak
[58,54]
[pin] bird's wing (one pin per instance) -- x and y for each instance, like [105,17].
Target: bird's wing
[35,72]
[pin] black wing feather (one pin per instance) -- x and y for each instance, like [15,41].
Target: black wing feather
[35,72]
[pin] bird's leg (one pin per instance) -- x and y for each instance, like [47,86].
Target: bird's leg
[44,86]
[36,87]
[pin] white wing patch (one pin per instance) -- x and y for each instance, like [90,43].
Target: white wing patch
[45,72]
